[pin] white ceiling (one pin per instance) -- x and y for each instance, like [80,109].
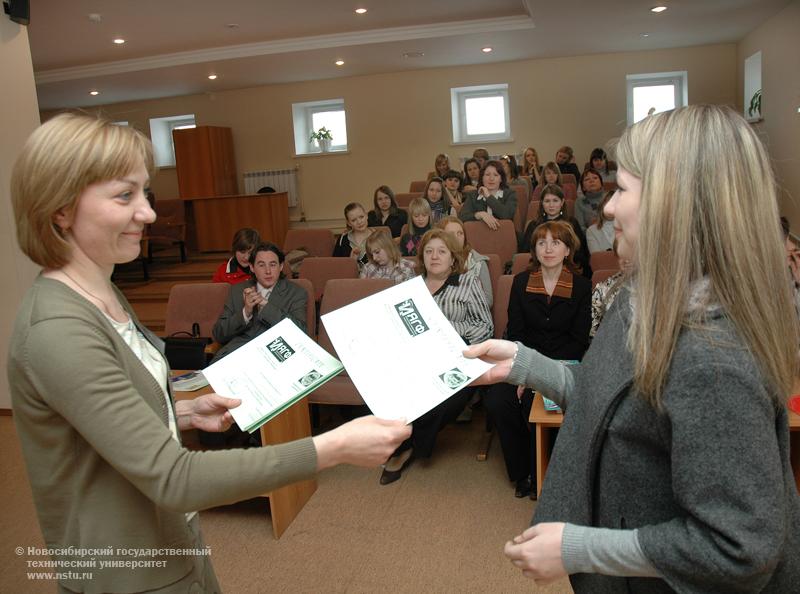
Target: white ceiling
[173,45]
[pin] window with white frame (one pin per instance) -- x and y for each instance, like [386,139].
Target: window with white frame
[654,93]
[310,117]
[480,114]
[161,135]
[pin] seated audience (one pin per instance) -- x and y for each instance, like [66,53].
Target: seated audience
[352,244]
[419,215]
[586,205]
[481,155]
[386,212]
[440,166]
[493,200]
[598,161]
[462,301]
[472,174]
[258,304]
[452,190]
[551,174]
[600,235]
[551,208]
[237,268]
[793,258]
[548,310]
[565,159]
[385,260]
[475,264]
[530,166]
[437,199]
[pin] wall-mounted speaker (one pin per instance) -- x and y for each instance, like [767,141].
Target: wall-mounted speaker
[18,11]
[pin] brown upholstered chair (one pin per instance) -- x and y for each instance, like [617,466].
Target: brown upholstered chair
[495,269]
[570,191]
[520,263]
[317,242]
[319,270]
[338,293]
[568,178]
[598,276]
[192,303]
[169,227]
[533,212]
[417,186]
[502,242]
[500,306]
[604,261]
[403,199]
[311,310]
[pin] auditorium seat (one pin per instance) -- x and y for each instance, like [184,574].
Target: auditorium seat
[169,228]
[319,270]
[598,276]
[502,242]
[417,186]
[604,261]
[317,242]
[403,199]
[191,303]
[311,310]
[520,262]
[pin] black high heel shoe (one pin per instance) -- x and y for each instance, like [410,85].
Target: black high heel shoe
[523,488]
[390,476]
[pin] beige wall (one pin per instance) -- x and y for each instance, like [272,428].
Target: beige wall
[778,39]
[19,115]
[398,122]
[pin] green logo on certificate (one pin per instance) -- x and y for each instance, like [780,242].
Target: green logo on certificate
[409,313]
[280,350]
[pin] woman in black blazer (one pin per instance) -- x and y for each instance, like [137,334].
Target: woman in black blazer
[549,310]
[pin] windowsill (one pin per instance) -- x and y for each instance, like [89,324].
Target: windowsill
[755,120]
[321,154]
[498,141]
[162,167]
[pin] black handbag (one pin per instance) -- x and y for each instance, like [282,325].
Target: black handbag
[186,350]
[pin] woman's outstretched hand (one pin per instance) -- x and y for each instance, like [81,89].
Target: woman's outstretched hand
[499,352]
[366,441]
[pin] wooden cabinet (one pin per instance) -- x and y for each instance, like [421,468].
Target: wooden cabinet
[205,162]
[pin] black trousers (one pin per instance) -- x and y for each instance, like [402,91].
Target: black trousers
[427,427]
[510,418]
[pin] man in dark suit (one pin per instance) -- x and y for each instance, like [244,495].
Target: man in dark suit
[256,305]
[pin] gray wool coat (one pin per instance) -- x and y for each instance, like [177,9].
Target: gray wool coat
[707,480]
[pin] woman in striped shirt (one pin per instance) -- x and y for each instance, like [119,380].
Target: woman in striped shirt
[463,302]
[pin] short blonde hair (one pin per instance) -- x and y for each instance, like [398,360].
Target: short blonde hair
[708,210]
[382,239]
[59,161]
[449,241]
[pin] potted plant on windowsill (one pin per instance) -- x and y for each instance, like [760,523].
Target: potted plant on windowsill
[323,137]
[754,110]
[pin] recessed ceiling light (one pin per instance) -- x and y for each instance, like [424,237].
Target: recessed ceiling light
[361,10]
[339,62]
[232,25]
[95,17]
[645,34]
[486,50]
[212,77]
[658,9]
[413,54]
[119,41]
[93,93]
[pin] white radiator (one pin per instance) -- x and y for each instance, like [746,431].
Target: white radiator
[282,180]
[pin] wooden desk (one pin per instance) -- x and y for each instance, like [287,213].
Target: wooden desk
[293,423]
[213,220]
[546,420]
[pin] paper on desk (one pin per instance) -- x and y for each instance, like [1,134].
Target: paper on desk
[270,373]
[402,354]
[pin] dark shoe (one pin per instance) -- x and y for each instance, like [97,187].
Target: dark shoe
[390,476]
[533,493]
[523,488]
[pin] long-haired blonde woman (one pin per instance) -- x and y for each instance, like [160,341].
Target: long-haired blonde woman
[530,166]
[672,467]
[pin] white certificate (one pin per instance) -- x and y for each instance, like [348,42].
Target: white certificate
[402,354]
[270,373]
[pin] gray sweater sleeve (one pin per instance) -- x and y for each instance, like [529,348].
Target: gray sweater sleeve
[552,378]
[604,551]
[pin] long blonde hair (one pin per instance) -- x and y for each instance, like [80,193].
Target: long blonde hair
[708,209]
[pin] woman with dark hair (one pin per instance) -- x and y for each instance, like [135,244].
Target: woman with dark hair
[586,205]
[672,469]
[453,183]
[237,269]
[352,244]
[386,212]
[565,159]
[462,301]
[493,200]
[551,174]
[549,310]
[551,208]
[598,161]
[600,234]
[472,174]
[509,163]
[261,303]
[437,199]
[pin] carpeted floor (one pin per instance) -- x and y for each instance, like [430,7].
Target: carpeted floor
[440,528]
